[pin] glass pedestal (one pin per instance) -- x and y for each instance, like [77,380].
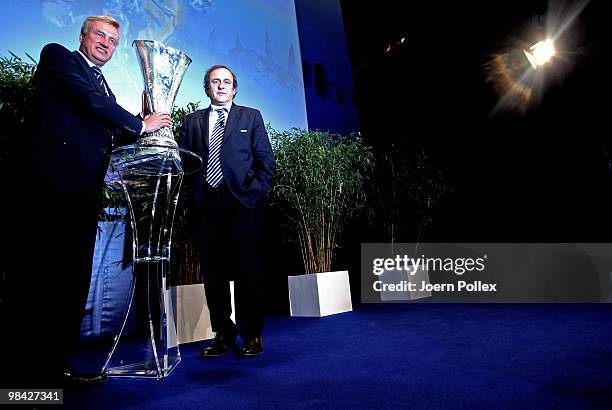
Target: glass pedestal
[150,177]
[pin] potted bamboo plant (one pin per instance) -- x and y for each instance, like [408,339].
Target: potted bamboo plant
[319,183]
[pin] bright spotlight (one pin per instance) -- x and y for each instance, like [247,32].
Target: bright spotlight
[540,53]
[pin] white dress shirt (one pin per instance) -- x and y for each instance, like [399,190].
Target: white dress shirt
[213,115]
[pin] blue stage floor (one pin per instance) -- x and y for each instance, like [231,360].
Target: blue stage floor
[417,356]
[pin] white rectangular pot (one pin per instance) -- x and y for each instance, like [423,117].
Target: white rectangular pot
[320,294]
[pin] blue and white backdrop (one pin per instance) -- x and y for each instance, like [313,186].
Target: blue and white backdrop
[258,39]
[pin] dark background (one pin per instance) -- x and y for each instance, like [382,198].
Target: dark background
[462,170]
[536,175]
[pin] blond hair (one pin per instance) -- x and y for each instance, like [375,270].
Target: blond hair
[105,19]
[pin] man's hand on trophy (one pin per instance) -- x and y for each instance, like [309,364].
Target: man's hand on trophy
[154,122]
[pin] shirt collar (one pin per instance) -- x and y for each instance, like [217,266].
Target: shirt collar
[88,61]
[216,107]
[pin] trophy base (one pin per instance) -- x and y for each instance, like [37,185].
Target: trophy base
[157,140]
[160,141]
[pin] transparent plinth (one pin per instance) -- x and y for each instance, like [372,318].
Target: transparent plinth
[150,177]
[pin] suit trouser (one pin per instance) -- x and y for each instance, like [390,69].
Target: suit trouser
[48,277]
[230,246]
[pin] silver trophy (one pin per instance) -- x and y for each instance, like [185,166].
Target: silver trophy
[163,69]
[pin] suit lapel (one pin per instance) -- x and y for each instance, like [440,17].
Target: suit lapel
[110,93]
[203,121]
[89,73]
[232,120]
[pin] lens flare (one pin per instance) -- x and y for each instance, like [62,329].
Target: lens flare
[519,74]
[540,53]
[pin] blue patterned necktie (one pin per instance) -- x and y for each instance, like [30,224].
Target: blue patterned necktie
[100,78]
[214,175]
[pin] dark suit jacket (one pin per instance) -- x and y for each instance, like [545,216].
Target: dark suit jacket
[59,170]
[247,159]
[71,122]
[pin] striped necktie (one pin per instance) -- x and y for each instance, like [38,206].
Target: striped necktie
[214,175]
[100,78]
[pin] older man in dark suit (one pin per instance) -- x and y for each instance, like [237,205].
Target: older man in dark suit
[62,162]
[228,196]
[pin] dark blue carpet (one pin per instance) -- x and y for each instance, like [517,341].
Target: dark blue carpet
[421,356]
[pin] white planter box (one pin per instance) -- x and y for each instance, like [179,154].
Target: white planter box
[192,315]
[320,294]
[395,277]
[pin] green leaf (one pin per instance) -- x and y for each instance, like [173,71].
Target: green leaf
[319,183]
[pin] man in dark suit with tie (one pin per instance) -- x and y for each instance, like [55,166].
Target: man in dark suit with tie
[62,164]
[228,197]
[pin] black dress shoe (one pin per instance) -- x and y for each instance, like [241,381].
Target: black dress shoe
[73,378]
[251,348]
[218,347]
